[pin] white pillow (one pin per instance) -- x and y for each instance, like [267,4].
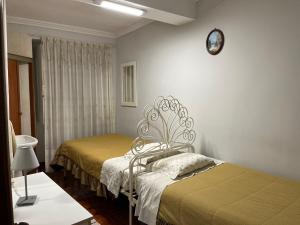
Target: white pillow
[181,164]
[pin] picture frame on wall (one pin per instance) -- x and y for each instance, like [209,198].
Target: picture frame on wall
[215,41]
[128,84]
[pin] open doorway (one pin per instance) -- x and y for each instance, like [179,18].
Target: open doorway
[21,95]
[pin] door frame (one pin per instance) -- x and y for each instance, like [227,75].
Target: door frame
[19,58]
[14,105]
[29,61]
[6,209]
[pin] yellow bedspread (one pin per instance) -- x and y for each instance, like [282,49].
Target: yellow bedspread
[90,153]
[231,195]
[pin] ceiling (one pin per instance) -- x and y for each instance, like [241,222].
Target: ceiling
[83,15]
[72,13]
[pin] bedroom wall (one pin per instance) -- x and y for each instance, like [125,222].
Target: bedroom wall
[245,101]
[19,44]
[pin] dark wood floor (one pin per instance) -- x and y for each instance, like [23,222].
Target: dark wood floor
[105,212]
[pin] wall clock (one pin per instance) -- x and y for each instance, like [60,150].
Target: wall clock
[215,42]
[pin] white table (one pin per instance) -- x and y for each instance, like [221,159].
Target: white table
[53,205]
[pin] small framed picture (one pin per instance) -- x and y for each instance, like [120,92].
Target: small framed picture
[128,84]
[215,42]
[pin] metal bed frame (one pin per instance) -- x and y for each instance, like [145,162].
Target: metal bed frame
[167,123]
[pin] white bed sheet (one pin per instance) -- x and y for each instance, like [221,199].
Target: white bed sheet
[115,174]
[149,186]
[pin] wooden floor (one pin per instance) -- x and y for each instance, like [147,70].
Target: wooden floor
[105,212]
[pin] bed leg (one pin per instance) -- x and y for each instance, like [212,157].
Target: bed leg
[130,213]
[65,173]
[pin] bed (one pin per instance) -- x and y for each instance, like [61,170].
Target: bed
[215,193]
[85,157]
[231,195]
[222,194]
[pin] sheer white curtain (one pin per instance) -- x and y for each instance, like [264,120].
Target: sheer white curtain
[77,89]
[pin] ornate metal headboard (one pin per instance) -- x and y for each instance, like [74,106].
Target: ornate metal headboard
[167,122]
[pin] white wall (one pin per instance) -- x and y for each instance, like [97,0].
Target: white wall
[19,44]
[245,101]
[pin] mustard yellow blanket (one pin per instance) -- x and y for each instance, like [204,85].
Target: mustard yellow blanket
[231,195]
[90,153]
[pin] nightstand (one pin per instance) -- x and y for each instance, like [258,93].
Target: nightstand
[53,205]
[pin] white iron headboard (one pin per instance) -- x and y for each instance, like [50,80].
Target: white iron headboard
[167,123]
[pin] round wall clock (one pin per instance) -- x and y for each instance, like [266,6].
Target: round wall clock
[215,42]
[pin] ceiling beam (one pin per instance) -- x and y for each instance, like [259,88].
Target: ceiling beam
[184,8]
[61,27]
[168,11]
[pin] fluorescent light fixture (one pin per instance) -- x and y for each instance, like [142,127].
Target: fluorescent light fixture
[121,8]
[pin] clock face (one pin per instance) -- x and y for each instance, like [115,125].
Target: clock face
[215,41]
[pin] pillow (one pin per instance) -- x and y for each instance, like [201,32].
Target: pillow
[181,164]
[154,146]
